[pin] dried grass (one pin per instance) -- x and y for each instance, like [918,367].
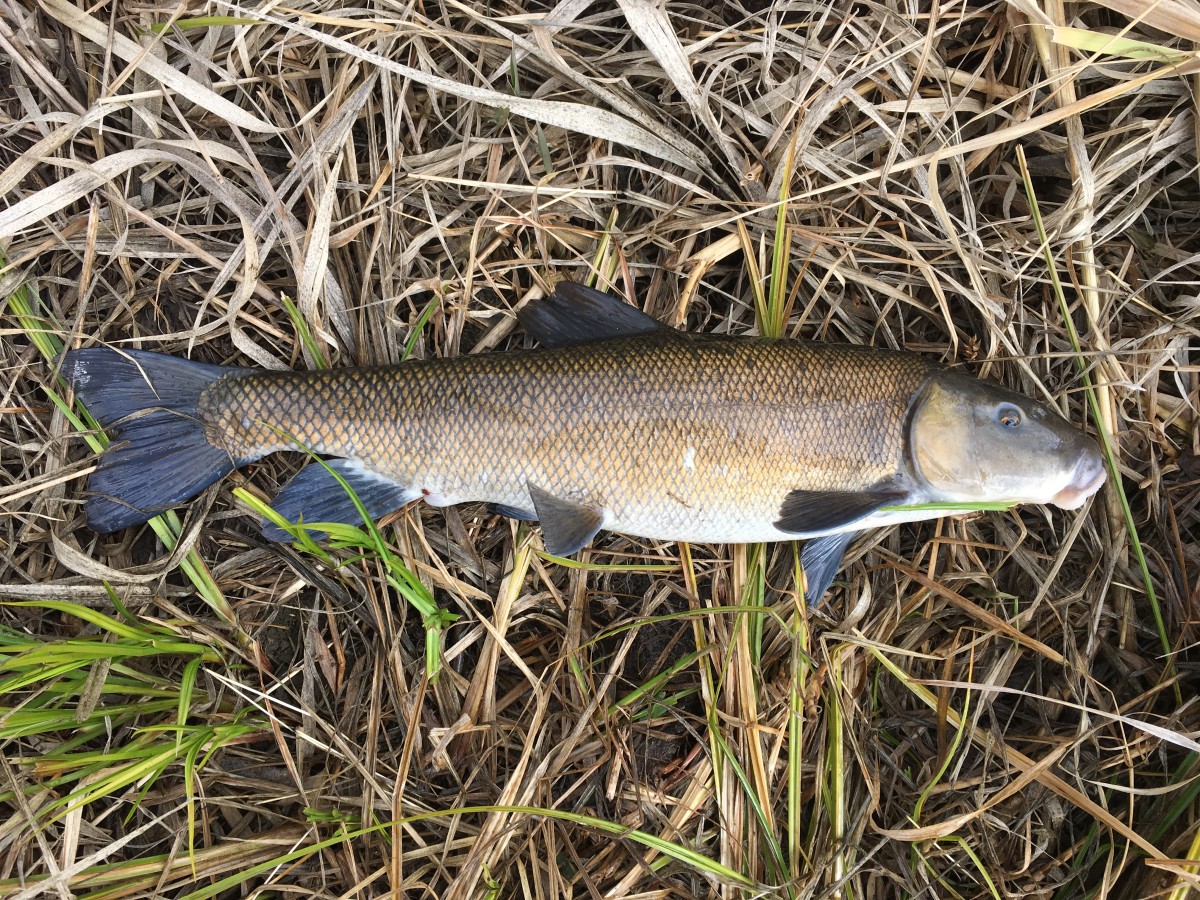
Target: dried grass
[996,705]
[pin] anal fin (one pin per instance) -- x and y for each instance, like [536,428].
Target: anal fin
[314,495]
[567,527]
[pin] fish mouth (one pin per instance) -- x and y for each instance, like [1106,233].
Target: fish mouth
[1089,476]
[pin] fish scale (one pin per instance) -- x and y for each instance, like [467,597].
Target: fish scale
[690,438]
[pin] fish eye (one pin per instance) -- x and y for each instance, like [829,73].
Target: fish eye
[1008,415]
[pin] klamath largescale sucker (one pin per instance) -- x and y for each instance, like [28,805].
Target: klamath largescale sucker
[617,422]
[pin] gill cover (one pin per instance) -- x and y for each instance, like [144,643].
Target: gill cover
[973,441]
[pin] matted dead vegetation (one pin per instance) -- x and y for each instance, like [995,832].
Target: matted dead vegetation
[999,705]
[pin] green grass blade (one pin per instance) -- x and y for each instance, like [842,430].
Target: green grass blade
[1110,457]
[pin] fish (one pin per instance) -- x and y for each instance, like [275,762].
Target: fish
[616,421]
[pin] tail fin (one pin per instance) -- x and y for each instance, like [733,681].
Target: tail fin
[160,455]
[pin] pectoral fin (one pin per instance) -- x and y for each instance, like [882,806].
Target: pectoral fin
[821,559]
[567,527]
[575,313]
[316,496]
[812,512]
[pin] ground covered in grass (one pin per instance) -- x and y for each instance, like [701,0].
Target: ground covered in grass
[996,705]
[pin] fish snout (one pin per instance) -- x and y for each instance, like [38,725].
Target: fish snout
[1088,477]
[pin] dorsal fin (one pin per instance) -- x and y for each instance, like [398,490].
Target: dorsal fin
[575,313]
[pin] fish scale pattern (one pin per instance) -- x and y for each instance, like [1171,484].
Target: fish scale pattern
[674,437]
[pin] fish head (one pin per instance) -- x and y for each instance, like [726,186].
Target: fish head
[973,441]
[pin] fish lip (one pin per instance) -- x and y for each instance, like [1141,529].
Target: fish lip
[1088,478]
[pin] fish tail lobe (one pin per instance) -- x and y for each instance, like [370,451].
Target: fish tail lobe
[161,454]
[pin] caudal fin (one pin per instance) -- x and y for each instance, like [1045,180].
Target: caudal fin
[160,455]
